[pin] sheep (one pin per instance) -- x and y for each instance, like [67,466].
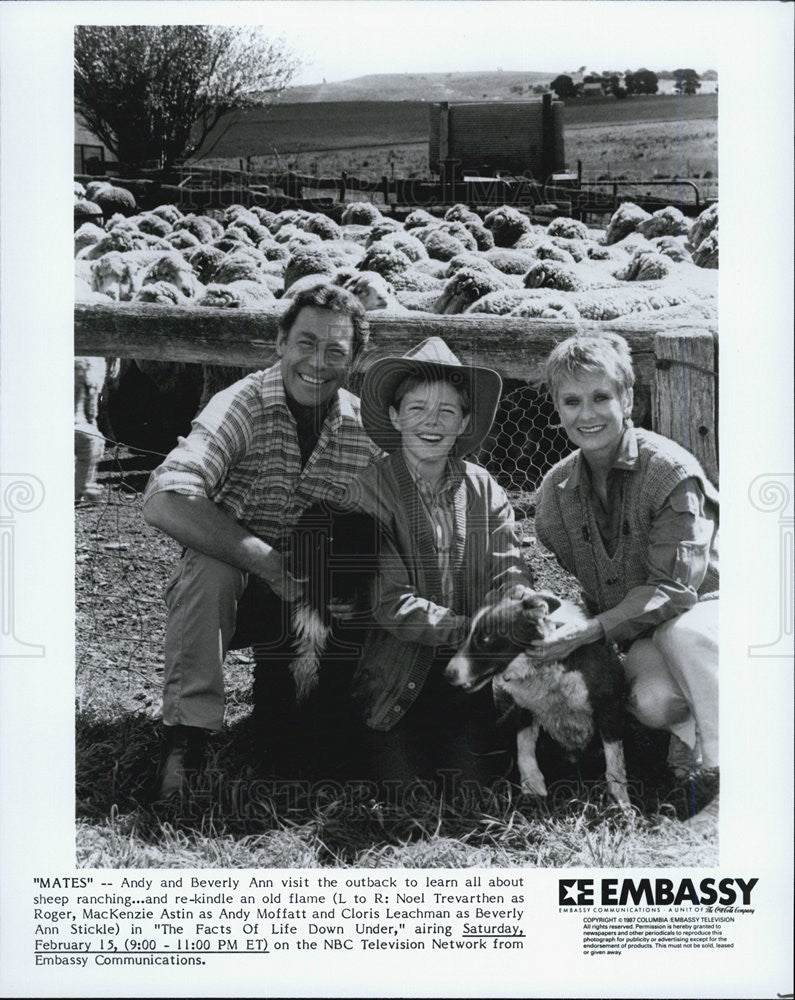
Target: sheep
[85,207]
[460,232]
[83,292]
[203,227]
[626,219]
[529,241]
[87,235]
[476,262]
[460,213]
[358,235]
[162,293]
[374,292]
[631,243]
[237,267]
[80,191]
[294,234]
[551,274]
[114,275]
[644,265]
[115,199]
[507,224]
[596,252]
[273,251]
[546,307]
[387,260]
[153,224]
[668,221]
[307,260]
[577,249]
[706,253]
[603,305]
[483,237]
[419,218]
[89,376]
[703,225]
[174,269]
[443,245]
[168,212]
[253,230]
[381,228]
[265,217]
[414,279]
[570,229]
[510,261]
[204,261]
[360,213]
[235,214]
[673,247]
[434,268]
[94,187]
[239,234]
[239,294]
[499,303]
[324,227]
[417,301]
[547,250]
[413,248]
[467,285]
[183,239]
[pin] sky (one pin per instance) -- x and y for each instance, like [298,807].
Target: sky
[342,39]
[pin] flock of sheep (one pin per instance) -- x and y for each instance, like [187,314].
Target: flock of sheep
[502,263]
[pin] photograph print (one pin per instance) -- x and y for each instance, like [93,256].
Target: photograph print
[396,455]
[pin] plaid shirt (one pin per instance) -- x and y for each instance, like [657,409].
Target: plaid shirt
[242,453]
[439,505]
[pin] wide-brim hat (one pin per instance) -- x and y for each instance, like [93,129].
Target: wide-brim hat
[431,357]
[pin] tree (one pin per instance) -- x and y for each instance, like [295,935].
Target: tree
[156,92]
[563,86]
[646,82]
[687,81]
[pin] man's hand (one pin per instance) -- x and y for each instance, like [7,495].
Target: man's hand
[274,572]
[566,639]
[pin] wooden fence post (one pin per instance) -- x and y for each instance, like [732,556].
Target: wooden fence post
[686,393]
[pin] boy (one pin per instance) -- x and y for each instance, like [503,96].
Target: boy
[449,539]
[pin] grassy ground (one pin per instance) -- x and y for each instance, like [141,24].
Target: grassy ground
[240,820]
[638,136]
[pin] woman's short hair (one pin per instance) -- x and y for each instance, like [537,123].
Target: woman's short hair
[585,354]
[427,376]
[324,295]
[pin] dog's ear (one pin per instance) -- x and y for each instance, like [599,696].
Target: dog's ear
[552,602]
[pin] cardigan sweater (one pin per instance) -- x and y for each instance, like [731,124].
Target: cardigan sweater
[565,524]
[411,626]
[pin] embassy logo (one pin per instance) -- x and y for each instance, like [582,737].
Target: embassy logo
[656,892]
[575,892]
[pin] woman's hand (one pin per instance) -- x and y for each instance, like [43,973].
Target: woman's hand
[566,639]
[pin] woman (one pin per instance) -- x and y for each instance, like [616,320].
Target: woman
[633,516]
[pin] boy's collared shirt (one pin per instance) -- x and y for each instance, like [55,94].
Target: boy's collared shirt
[439,505]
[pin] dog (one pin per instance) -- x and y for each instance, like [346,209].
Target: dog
[334,552]
[572,699]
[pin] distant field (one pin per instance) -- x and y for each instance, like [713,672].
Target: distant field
[323,126]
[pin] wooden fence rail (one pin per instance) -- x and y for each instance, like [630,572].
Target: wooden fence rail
[675,364]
